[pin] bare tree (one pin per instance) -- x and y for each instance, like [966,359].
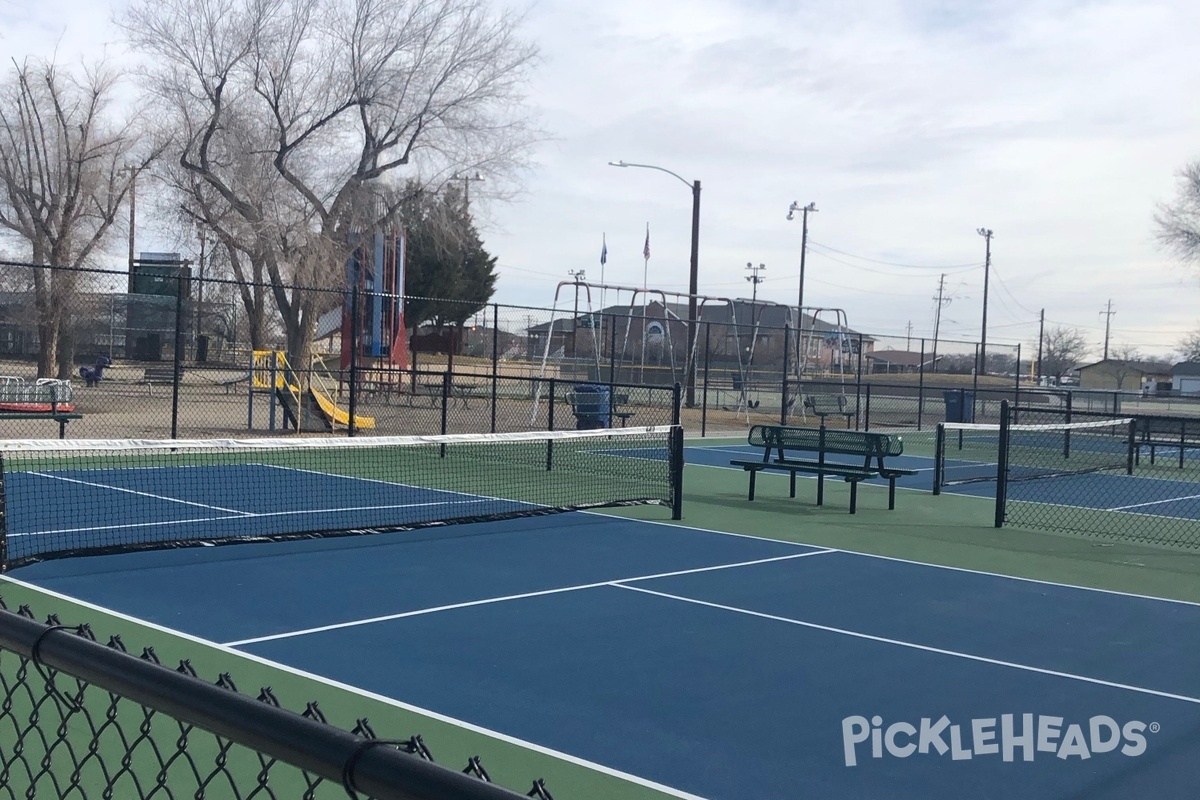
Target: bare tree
[1062,351]
[1189,347]
[65,170]
[1123,363]
[292,115]
[1179,222]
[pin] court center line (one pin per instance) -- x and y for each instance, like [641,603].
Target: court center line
[910,645]
[522,596]
[139,494]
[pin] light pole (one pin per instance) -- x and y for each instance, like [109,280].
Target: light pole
[981,367]
[792,209]
[693,274]
[755,279]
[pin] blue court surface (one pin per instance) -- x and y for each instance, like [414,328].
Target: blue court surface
[721,666]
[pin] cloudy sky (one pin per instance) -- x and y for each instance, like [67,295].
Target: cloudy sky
[910,123]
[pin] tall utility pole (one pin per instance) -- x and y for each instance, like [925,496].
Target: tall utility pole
[800,299]
[908,336]
[941,301]
[1107,314]
[981,367]
[466,179]
[755,279]
[1041,338]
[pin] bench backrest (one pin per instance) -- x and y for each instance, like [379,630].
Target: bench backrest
[829,403]
[838,442]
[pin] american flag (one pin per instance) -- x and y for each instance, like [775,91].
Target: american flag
[646,249]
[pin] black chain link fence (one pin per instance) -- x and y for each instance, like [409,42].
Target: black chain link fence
[1127,478]
[176,358]
[89,720]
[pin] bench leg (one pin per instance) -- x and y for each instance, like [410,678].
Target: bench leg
[793,494]
[753,473]
[820,488]
[853,497]
[892,494]
[62,429]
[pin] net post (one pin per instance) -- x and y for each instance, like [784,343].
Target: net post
[1130,455]
[939,457]
[272,392]
[550,411]
[676,456]
[1002,465]
[821,462]
[676,401]
[1182,438]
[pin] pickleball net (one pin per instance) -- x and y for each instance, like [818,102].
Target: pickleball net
[972,452]
[79,497]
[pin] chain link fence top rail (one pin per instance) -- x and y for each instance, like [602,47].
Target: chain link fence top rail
[90,720]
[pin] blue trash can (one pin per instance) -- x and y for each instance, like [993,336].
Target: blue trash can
[960,405]
[593,406]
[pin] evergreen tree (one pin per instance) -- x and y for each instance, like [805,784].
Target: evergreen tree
[449,274]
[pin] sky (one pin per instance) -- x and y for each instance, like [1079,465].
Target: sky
[910,124]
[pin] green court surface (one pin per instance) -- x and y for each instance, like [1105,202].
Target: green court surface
[949,530]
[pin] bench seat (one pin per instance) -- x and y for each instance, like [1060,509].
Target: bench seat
[779,442]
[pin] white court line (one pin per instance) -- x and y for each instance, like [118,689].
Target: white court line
[374,696]
[135,492]
[252,515]
[912,562]
[1155,503]
[912,645]
[522,596]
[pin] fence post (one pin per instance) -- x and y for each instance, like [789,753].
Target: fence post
[921,386]
[495,360]
[974,382]
[446,378]
[704,401]
[355,333]
[858,384]
[867,413]
[612,348]
[178,359]
[783,390]
[676,404]
[550,411]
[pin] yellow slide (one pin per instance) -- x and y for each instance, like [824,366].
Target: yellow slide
[336,413]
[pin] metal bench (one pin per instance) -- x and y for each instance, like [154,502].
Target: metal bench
[61,417]
[780,444]
[831,405]
[159,376]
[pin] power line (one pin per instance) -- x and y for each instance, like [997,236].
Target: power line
[946,267]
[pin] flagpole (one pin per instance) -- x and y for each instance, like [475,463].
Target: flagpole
[603,261]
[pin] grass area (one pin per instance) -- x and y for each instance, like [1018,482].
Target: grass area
[949,530]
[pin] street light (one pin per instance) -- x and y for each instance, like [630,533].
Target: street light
[792,209]
[981,367]
[693,275]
